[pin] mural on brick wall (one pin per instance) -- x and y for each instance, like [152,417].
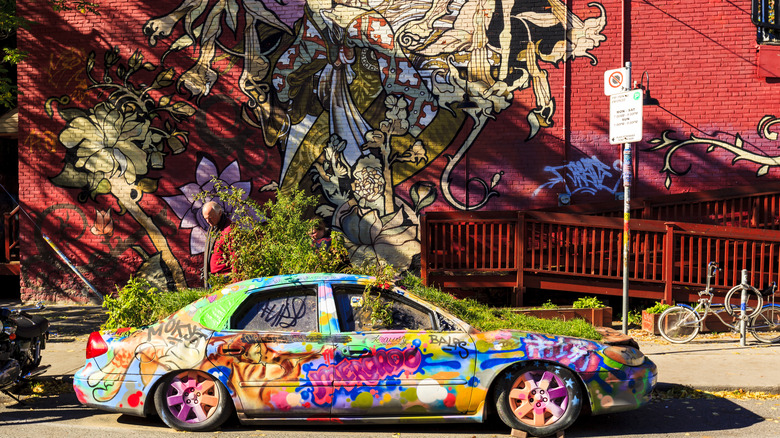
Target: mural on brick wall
[112,146]
[356,97]
[736,147]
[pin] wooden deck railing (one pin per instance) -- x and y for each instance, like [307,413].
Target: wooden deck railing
[581,253]
[9,265]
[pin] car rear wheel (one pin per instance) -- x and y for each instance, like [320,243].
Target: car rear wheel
[192,401]
[540,399]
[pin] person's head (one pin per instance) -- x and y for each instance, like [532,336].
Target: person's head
[319,230]
[212,212]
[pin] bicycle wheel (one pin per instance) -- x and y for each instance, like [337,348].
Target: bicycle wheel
[766,325]
[679,324]
[733,297]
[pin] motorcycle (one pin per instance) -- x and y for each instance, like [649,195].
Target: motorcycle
[22,338]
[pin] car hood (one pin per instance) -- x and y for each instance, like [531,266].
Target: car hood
[507,346]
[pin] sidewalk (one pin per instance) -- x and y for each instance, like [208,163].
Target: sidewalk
[715,363]
[709,362]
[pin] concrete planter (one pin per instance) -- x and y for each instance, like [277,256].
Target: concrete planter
[650,322]
[713,324]
[598,317]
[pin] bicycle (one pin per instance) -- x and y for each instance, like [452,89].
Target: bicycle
[681,323]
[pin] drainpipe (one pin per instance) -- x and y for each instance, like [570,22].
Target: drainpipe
[566,98]
[625,55]
[625,52]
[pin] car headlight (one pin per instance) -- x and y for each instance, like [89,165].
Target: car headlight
[625,355]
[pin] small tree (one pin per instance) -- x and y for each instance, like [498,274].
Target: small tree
[273,239]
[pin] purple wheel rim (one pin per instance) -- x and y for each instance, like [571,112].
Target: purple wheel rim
[192,397]
[539,398]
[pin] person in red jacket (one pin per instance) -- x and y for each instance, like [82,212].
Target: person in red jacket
[216,256]
[319,235]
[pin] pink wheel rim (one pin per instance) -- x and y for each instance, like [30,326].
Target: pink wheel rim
[192,397]
[539,398]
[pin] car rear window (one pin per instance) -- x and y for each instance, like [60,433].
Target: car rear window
[288,309]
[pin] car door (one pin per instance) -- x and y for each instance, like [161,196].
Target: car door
[411,364]
[273,342]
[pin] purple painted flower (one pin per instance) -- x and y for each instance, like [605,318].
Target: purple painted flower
[187,208]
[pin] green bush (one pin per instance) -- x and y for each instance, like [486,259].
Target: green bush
[273,239]
[549,305]
[139,304]
[657,308]
[588,303]
[635,317]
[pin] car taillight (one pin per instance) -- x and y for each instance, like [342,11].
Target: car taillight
[96,345]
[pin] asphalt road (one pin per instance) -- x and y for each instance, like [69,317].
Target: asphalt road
[62,416]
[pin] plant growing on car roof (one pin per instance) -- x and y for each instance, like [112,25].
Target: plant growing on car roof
[376,309]
[273,239]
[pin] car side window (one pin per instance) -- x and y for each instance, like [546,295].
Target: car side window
[289,309]
[356,315]
[446,324]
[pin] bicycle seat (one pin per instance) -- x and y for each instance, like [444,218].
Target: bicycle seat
[770,290]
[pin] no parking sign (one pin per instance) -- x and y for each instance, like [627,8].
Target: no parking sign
[616,81]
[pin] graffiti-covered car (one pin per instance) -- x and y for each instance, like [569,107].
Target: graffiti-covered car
[339,348]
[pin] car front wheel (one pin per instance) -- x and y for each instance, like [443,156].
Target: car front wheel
[193,401]
[540,399]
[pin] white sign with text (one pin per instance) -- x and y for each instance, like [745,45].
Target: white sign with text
[625,117]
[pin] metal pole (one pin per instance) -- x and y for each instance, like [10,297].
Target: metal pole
[54,247]
[743,309]
[626,215]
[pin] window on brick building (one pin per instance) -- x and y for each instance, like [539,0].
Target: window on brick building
[766,17]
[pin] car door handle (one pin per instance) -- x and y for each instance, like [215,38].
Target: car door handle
[233,351]
[356,352]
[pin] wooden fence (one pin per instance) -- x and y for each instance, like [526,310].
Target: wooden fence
[583,253]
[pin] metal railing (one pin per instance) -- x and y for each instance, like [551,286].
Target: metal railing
[11,236]
[764,14]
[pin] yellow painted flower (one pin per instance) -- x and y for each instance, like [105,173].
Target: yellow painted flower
[109,141]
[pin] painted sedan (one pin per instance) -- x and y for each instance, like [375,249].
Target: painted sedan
[320,347]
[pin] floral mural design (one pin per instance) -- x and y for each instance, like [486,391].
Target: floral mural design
[352,94]
[310,68]
[104,225]
[737,148]
[363,205]
[187,207]
[112,146]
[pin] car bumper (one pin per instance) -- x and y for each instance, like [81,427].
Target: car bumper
[115,393]
[622,390]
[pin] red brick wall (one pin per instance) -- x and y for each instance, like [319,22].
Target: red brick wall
[700,58]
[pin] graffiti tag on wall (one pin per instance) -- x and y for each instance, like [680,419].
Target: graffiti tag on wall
[587,175]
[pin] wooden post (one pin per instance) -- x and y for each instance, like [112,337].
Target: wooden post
[520,242]
[668,263]
[424,248]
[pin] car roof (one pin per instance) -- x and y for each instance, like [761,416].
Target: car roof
[213,309]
